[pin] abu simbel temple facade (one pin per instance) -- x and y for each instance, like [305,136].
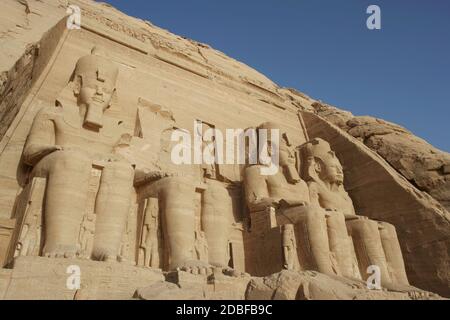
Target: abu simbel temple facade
[105,192]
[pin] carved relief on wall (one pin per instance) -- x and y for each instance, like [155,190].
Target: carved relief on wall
[151,248]
[29,216]
[87,232]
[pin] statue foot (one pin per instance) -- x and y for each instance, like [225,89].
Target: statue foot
[106,255]
[60,251]
[107,258]
[234,273]
[112,258]
[413,292]
[196,267]
[126,261]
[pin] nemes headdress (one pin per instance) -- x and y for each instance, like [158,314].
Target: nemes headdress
[317,148]
[98,67]
[270,125]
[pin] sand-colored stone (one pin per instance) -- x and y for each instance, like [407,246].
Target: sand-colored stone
[379,192]
[46,279]
[87,176]
[185,286]
[417,160]
[310,285]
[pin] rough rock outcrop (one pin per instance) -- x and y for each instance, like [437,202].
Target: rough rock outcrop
[425,166]
[381,193]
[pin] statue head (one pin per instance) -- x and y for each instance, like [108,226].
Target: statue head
[321,162]
[95,84]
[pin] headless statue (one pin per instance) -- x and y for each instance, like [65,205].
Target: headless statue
[376,243]
[64,142]
[289,194]
[216,206]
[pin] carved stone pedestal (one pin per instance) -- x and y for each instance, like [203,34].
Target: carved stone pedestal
[181,285]
[48,279]
[5,276]
[6,232]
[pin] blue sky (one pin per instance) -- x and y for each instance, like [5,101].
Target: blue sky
[323,48]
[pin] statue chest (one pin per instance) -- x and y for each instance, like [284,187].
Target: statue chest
[334,201]
[279,187]
[70,136]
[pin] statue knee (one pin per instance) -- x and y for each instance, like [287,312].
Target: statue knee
[121,171]
[365,228]
[72,161]
[315,219]
[177,185]
[387,229]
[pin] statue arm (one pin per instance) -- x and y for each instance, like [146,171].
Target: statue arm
[256,190]
[24,232]
[41,140]
[352,212]
[314,194]
[144,176]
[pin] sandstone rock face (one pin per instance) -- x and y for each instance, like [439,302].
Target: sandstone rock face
[422,164]
[29,29]
[96,204]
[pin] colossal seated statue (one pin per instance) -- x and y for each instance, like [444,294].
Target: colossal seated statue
[289,195]
[375,242]
[195,241]
[64,143]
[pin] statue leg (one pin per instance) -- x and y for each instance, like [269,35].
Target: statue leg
[154,261]
[179,218]
[368,246]
[340,243]
[147,256]
[393,253]
[316,228]
[216,211]
[67,175]
[112,207]
[25,251]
